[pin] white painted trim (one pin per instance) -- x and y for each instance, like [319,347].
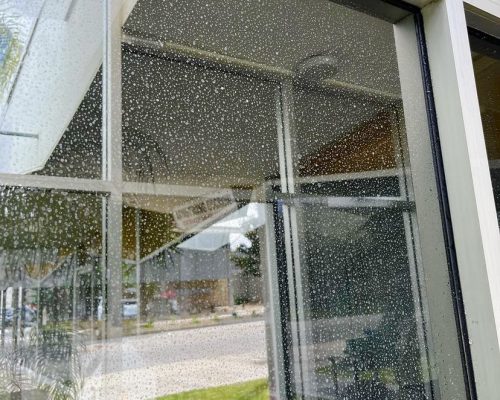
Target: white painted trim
[490,6]
[474,219]
[55,182]
[430,274]
[112,164]
[112,100]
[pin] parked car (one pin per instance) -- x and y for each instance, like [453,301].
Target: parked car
[130,309]
[27,313]
[9,316]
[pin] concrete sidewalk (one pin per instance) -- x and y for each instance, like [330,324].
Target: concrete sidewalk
[148,366]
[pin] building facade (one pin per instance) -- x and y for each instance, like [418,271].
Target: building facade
[284,199]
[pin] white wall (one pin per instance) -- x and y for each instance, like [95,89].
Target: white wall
[62,59]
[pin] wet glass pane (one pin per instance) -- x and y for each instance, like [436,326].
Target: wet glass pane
[346,144]
[486,61]
[264,242]
[50,87]
[200,161]
[194,268]
[358,331]
[51,291]
[186,124]
[359,320]
[267,176]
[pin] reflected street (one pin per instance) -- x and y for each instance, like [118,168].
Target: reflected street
[148,366]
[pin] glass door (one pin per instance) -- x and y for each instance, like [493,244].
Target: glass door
[355,317]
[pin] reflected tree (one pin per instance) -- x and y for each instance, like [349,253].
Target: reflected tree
[49,362]
[49,239]
[247,257]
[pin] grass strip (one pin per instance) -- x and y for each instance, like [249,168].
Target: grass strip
[251,390]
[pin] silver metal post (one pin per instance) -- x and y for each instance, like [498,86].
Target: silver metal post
[138,266]
[112,162]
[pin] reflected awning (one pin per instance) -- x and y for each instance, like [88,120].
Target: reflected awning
[229,230]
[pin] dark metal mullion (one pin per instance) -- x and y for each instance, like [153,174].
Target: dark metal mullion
[458,304]
[291,288]
[284,298]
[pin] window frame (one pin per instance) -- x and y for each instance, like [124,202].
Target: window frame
[472,214]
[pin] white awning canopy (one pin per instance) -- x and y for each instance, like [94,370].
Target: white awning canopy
[229,230]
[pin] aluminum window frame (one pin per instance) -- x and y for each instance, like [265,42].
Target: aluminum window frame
[472,215]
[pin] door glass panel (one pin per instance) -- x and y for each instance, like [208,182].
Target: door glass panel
[358,329]
[358,332]
[486,61]
[359,318]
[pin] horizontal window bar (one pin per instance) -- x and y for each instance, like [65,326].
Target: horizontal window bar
[351,202]
[56,182]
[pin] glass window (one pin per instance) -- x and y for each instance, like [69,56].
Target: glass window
[189,125]
[51,88]
[289,125]
[486,60]
[193,285]
[51,292]
[271,229]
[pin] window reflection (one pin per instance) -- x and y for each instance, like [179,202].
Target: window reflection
[264,240]
[485,56]
[50,88]
[51,289]
[201,280]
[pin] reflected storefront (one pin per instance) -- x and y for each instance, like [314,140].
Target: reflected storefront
[239,202]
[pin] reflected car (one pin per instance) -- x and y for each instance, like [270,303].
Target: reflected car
[28,315]
[130,309]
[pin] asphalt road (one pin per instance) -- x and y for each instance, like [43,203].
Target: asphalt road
[147,366]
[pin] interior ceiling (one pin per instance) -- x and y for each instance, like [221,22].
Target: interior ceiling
[276,33]
[191,125]
[204,127]
[197,126]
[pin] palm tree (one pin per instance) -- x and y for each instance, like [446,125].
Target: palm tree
[48,362]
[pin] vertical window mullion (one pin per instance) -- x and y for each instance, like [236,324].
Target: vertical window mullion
[112,163]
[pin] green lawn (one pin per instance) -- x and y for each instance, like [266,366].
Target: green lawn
[252,390]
